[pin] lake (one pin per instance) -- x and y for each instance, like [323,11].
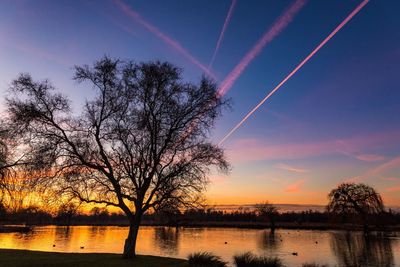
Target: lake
[336,248]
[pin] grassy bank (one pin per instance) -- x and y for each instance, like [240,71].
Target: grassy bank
[26,258]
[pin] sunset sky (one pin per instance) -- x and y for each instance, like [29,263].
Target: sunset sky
[337,119]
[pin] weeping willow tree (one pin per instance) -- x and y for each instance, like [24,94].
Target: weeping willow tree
[140,144]
[357,199]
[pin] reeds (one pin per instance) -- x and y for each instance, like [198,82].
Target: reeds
[248,259]
[205,259]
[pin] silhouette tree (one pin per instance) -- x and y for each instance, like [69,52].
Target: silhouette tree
[140,143]
[12,165]
[66,212]
[269,211]
[359,199]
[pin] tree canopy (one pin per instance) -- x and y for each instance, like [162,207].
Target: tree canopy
[140,144]
[355,198]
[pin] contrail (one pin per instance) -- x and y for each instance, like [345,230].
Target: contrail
[165,38]
[340,26]
[279,25]
[221,35]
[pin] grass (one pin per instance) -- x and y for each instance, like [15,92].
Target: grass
[26,258]
[248,259]
[205,259]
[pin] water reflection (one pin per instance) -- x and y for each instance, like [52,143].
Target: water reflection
[167,239]
[357,249]
[334,248]
[270,241]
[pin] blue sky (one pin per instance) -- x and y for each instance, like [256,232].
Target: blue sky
[337,119]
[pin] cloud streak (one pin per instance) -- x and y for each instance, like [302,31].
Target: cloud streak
[369,157]
[295,187]
[162,36]
[244,150]
[330,36]
[289,168]
[221,35]
[279,25]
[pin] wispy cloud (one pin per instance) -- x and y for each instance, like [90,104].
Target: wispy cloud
[393,189]
[280,24]
[370,157]
[287,167]
[295,187]
[384,167]
[244,150]
[162,36]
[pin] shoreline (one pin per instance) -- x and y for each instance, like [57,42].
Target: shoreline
[22,228]
[19,257]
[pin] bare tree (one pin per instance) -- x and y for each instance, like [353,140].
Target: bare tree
[140,144]
[269,211]
[66,212]
[352,198]
[13,187]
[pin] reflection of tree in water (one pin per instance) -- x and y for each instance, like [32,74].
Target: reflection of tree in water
[269,240]
[63,232]
[97,231]
[357,249]
[167,239]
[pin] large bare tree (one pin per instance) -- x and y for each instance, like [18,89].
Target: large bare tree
[142,143]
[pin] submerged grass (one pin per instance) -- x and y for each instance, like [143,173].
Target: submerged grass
[248,259]
[205,259]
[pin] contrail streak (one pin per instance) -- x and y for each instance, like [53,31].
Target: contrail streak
[165,38]
[221,35]
[340,26]
[279,25]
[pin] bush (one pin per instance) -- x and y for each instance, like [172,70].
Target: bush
[205,259]
[250,260]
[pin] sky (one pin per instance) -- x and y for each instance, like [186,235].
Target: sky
[337,119]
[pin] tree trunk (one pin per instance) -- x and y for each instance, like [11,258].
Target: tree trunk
[130,241]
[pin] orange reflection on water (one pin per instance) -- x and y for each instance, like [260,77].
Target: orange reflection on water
[324,247]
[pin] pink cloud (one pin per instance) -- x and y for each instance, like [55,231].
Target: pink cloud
[295,187]
[382,168]
[369,157]
[287,167]
[162,36]
[280,24]
[244,150]
[390,178]
[393,189]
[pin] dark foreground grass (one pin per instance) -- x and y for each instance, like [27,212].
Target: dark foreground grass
[205,259]
[26,258]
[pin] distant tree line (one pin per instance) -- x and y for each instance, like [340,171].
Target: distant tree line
[101,216]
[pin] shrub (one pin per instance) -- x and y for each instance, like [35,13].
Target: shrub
[205,259]
[248,259]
